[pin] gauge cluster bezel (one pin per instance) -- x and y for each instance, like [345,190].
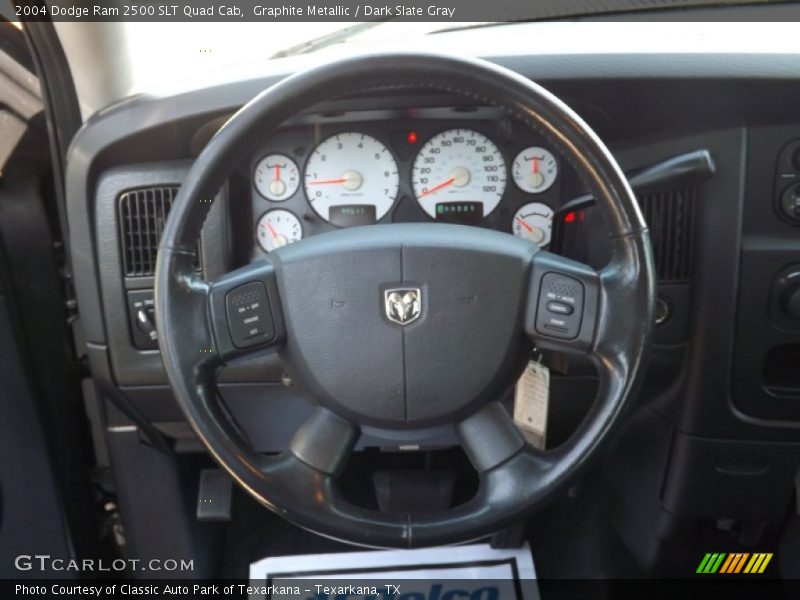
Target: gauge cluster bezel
[298,141]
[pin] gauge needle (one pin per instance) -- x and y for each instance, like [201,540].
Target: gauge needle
[327,181]
[436,188]
[277,172]
[272,231]
[535,165]
[351,180]
[525,225]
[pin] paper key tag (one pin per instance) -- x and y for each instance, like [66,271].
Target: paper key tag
[531,398]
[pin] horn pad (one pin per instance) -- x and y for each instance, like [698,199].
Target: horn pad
[405,325]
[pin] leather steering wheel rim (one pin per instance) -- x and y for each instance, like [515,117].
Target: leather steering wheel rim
[300,484]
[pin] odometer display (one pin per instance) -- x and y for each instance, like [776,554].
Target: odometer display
[351,169]
[352,215]
[459,166]
[462,213]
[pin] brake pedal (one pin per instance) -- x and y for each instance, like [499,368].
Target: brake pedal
[215,496]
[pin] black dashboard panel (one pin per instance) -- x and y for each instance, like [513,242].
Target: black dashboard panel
[765,383]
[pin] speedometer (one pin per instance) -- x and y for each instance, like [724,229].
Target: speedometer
[351,179]
[459,175]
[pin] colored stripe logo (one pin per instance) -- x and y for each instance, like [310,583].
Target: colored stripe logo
[734,562]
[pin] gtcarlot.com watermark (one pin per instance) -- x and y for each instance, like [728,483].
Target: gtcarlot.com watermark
[47,563]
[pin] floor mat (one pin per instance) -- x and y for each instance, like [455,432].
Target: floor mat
[473,572]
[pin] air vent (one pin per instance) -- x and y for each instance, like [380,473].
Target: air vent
[670,216]
[142,215]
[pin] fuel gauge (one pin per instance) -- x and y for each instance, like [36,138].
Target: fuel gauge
[534,222]
[276,228]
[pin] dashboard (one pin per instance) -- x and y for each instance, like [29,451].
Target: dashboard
[464,165]
[715,430]
[722,380]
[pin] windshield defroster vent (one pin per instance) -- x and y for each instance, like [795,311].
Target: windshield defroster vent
[670,217]
[142,215]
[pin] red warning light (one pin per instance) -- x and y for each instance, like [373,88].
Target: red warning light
[412,137]
[569,217]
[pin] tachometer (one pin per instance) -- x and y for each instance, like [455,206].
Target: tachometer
[351,179]
[459,175]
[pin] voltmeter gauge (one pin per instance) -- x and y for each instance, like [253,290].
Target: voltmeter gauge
[276,177]
[535,170]
[276,228]
[534,222]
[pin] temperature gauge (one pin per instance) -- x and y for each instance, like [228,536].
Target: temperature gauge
[534,222]
[276,177]
[276,228]
[535,170]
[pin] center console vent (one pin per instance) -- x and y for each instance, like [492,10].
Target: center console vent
[670,217]
[142,215]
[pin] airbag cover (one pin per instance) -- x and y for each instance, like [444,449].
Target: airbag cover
[461,345]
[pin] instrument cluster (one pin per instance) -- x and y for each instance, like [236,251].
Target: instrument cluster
[471,170]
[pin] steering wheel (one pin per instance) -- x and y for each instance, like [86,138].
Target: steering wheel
[405,326]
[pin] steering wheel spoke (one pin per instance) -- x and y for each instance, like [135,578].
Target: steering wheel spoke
[563,304]
[244,311]
[324,441]
[489,437]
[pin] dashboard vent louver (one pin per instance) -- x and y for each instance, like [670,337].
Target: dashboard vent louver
[142,215]
[670,217]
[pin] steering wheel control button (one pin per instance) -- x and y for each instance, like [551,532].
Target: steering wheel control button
[249,315]
[560,306]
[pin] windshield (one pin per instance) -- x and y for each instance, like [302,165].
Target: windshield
[117,58]
[205,48]
[208,53]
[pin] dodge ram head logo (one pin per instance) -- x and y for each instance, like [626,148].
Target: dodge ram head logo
[403,305]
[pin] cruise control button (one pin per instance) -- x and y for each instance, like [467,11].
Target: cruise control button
[560,308]
[249,315]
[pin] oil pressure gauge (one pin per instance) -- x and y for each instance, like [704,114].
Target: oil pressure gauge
[276,177]
[535,170]
[534,222]
[276,228]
